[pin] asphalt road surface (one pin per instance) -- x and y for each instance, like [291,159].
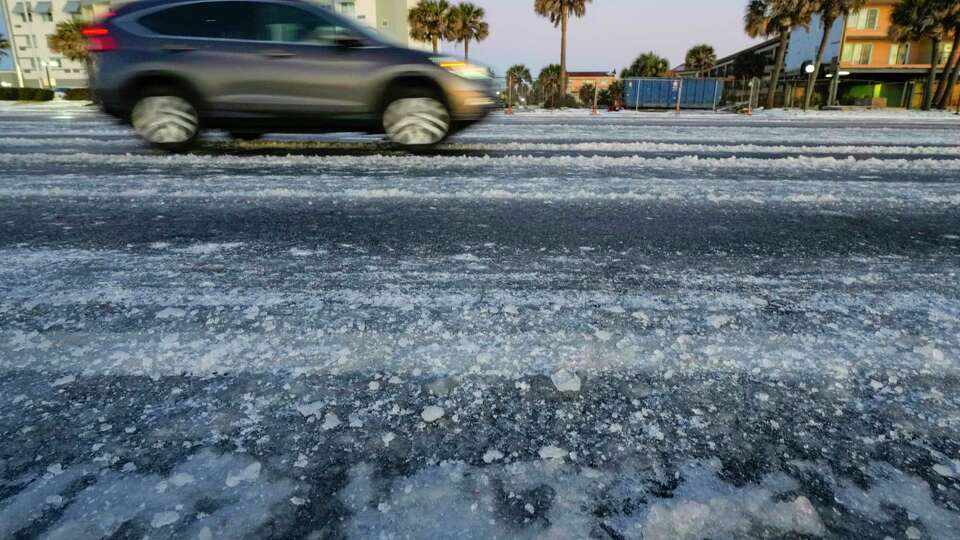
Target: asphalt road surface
[555,325]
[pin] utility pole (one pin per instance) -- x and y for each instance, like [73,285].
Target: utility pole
[509,94]
[679,94]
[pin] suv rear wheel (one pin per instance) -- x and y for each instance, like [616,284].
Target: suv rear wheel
[416,118]
[166,119]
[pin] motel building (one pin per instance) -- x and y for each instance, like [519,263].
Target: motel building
[875,71]
[578,79]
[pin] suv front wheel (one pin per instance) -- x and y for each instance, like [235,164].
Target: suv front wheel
[166,120]
[416,119]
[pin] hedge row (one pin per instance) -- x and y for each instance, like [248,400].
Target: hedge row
[77,94]
[26,94]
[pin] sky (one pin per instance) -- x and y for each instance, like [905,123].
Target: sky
[611,35]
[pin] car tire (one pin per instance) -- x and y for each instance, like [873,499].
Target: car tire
[166,118]
[416,118]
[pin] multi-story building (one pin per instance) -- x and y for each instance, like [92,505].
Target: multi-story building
[876,70]
[30,22]
[577,79]
[389,17]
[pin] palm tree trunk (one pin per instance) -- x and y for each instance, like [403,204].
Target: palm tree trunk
[775,77]
[466,50]
[951,83]
[563,48]
[943,93]
[436,45]
[812,79]
[932,77]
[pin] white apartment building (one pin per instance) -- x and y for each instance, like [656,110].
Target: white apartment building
[389,17]
[29,22]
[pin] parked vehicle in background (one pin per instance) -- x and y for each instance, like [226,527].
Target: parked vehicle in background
[174,67]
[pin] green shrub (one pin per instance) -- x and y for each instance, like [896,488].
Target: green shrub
[77,94]
[9,94]
[43,94]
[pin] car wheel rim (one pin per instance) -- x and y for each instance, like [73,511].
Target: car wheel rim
[165,119]
[416,121]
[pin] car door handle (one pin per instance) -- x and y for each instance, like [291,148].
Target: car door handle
[277,54]
[178,48]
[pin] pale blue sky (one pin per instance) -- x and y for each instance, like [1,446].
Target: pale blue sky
[610,36]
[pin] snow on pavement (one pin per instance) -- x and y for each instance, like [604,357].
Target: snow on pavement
[642,325]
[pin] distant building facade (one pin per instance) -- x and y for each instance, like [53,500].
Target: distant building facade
[881,71]
[577,79]
[388,17]
[29,23]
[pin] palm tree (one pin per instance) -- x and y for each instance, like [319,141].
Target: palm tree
[951,72]
[829,11]
[429,21]
[918,20]
[548,85]
[701,58]
[559,12]
[648,64]
[518,80]
[466,24]
[766,18]
[68,40]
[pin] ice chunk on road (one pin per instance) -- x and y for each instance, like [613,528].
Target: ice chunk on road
[162,519]
[311,409]
[249,474]
[432,414]
[330,421]
[171,313]
[566,381]
[492,455]
[62,381]
[553,452]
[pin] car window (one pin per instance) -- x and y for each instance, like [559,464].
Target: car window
[220,20]
[277,22]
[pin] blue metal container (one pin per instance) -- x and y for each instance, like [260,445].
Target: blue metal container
[663,93]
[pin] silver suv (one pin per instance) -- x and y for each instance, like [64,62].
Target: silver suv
[173,67]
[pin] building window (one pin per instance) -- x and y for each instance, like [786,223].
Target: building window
[46,17]
[899,54]
[945,52]
[26,17]
[857,53]
[348,8]
[865,19]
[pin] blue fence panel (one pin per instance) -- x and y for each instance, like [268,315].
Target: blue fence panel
[661,93]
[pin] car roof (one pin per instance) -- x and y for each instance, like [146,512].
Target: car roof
[139,5]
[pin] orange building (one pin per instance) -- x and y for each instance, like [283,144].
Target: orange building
[880,71]
[577,79]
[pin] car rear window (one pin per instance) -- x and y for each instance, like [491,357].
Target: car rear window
[215,20]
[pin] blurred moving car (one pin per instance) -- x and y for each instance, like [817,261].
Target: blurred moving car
[173,67]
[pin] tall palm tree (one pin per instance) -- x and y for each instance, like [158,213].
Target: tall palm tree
[518,80]
[429,21]
[919,20]
[648,64]
[701,58]
[767,18]
[952,70]
[829,11]
[559,12]
[467,24]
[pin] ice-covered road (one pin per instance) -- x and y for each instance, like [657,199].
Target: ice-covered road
[630,326]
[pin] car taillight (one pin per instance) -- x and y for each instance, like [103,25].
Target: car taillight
[98,38]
